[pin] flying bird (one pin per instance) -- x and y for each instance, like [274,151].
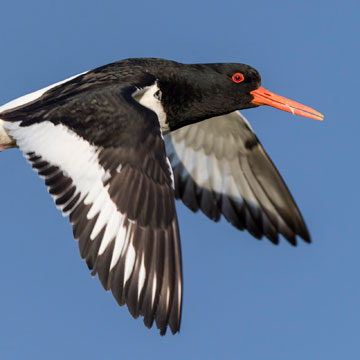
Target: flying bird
[116,145]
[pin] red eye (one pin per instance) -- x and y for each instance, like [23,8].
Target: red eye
[238,77]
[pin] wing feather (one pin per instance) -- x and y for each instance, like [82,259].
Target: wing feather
[123,214]
[221,168]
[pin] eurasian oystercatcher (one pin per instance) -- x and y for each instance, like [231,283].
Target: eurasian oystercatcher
[116,145]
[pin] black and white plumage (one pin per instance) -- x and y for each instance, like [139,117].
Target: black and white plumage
[221,168]
[97,140]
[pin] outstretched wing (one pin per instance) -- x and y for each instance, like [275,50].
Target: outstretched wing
[221,168]
[103,160]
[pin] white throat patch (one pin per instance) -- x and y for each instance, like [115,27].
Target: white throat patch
[150,97]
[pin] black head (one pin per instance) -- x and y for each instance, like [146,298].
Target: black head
[191,93]
[195,92]
[235,82]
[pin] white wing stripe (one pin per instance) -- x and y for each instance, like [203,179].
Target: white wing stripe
[96,197]
[142,275]
[221,168]
[129,260]
[153,290]
[119,244]
[103,218]
[111,231]
[45,139]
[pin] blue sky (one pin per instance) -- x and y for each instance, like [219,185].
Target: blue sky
[243,298]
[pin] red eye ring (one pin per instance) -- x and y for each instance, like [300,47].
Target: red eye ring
[238,77]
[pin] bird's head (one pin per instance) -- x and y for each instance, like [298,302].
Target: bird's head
[196,92]
[240,85]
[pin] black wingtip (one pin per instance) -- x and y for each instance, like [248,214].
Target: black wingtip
[174,330]
[306,237]
[303,232]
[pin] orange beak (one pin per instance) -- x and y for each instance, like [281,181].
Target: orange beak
[265,97]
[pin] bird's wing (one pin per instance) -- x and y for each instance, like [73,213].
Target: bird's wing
[103,160]
[221,168]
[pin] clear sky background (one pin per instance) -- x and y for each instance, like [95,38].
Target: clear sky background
[244,298]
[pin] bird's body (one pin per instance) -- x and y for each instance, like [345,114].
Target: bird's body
[102,141]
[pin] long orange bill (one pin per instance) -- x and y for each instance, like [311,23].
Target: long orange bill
[265,97]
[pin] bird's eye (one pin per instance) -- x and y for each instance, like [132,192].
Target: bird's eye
[238,77]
